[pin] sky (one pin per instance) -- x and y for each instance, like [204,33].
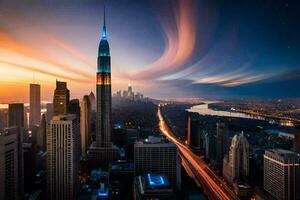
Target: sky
[164,48]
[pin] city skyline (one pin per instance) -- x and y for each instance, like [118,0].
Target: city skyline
[193,48]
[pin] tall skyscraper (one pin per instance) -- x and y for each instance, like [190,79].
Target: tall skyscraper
[16,114]
[61,99]
[155,155]
[35,104]
[282,174]
[63,157]
[85,124]
[102,152]
[103,129]
[236,164]
[11,164]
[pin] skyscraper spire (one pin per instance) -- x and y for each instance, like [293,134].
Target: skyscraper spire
[104,26]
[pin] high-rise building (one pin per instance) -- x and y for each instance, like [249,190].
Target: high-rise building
[155,155]
[282,174]
[11,164]
[102,151]
[61,99]
[63,157]
[103,129]
[297,138]
[16,114]
[85,124]
[41,133]
[236,164]
[35,104]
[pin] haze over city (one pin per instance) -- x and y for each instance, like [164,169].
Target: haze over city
[185,48]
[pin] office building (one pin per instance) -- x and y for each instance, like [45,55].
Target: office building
[63,157]
[35,104]
[11,164]
[155,155]
[16,114]
[61,99]
[152,186]
[236,164]
[85,124]
[282,174]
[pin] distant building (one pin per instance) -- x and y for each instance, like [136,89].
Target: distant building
[155,155]
[85,124]
[42,133]
[236,164]
[63,157]
[119,93]
[125,94]
[16,114]
[281,174]
[129,88]
[61,99]
[11,164]
[35,104]
[152,186]
[297,138]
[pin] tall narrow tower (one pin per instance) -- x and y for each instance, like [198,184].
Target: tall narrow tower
[103,129]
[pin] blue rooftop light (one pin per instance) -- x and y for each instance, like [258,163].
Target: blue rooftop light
[103,193]
[156,180]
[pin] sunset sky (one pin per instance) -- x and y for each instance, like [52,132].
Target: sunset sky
[164,48]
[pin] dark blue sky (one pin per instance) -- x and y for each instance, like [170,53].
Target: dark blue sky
[165,48]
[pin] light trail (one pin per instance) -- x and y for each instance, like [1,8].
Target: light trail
[196,167]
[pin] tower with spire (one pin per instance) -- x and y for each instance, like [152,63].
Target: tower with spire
[103,96]
[102,152]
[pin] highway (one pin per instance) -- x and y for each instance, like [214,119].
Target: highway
[214,187]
